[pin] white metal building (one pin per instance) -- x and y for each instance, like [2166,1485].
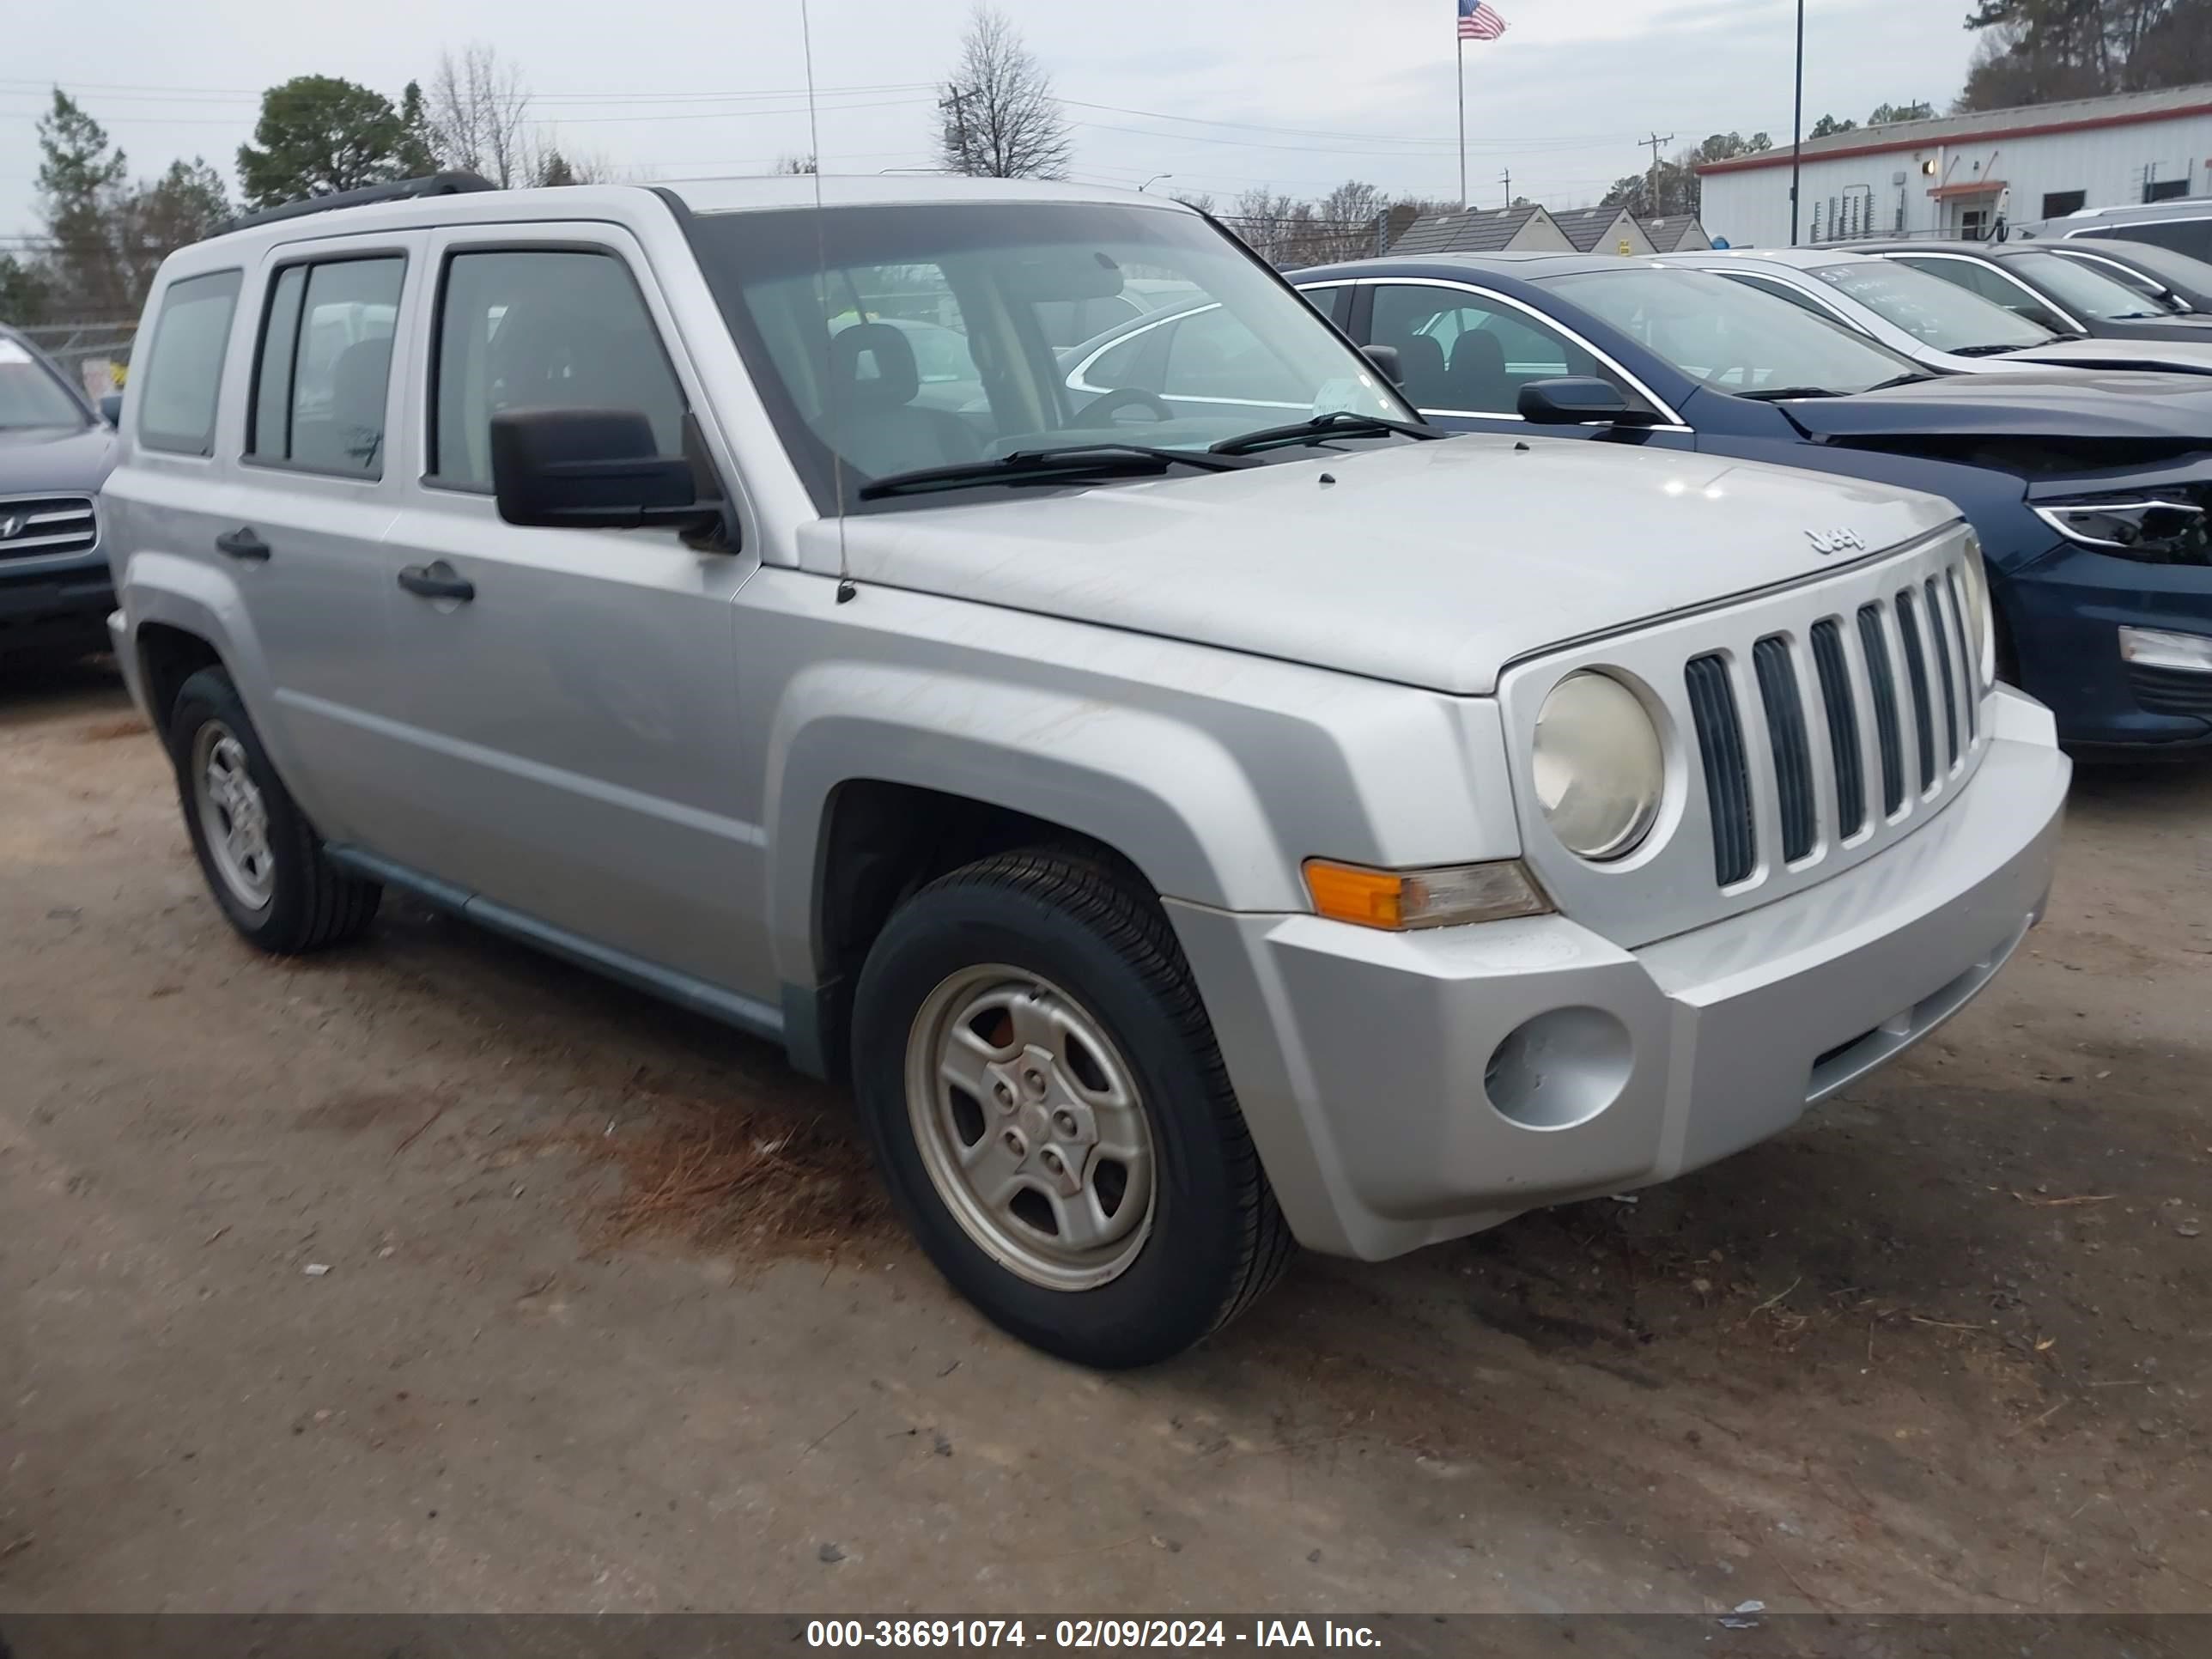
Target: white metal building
[1956,175]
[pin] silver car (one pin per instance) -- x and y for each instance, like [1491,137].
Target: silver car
[1197,812]
[1938,323]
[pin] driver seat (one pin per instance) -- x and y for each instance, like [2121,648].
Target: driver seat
[876,425]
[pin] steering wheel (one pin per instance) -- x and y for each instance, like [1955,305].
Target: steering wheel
[1128,396]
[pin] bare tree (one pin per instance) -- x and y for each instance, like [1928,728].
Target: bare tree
[800,165]
[1002,120]
[479,117]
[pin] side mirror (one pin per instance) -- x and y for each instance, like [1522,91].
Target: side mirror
[111,409]
[592,469]
[1386,360]
[1573,400]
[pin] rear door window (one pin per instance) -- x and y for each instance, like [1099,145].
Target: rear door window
[2189,236]
[177,388]
[323,369]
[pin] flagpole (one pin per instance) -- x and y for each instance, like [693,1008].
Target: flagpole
[1463,122]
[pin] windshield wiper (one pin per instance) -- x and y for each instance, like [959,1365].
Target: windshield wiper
[1049,466]
[1989,350]
[1775,394]
[1337,423]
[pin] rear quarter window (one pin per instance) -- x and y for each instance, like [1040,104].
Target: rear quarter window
[179,386]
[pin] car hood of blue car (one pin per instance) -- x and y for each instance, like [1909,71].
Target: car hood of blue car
[2169,410]
[50,459]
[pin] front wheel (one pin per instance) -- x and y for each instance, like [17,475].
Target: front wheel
[1045,1098]
[262,859]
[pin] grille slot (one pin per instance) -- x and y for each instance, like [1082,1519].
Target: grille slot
[1970,667]
[1881,681]
[1843,726]
[1793,752]
[1916,673]
[1939,631]
[44,526]
[1728,773]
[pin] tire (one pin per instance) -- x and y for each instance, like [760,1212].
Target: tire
[291,899]
[1060,943]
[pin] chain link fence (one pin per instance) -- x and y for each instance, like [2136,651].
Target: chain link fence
[94,355]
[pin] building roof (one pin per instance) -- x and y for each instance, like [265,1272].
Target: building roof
[1586,226]
[2122,109]
[1482,230]
[1668,234]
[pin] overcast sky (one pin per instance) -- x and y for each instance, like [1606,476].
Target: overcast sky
[1295,94]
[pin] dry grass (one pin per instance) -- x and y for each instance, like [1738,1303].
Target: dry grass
[715,1175]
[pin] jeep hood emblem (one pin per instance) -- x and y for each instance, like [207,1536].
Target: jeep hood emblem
[1835,541]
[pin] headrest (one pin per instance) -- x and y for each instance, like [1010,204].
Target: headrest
[358,380]
[871,366]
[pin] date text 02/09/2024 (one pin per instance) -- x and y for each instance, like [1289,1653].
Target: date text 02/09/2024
[1087,1633]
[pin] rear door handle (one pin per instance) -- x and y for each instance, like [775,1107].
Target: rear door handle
[243,543]
[437,580]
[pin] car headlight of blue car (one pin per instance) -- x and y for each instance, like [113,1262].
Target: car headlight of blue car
[2155,529]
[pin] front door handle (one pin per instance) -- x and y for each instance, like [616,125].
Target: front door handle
[243,543]
[436,580]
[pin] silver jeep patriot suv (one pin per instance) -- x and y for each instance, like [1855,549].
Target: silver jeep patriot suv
[1196,809]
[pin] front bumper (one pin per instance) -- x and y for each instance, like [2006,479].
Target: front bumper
[2066,613]
[55,612]
[1407,1088]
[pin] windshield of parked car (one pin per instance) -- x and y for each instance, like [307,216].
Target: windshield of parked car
[2170,266]
[1940,313]
[898,339]
[2084,292]
[30,396]
[1732,337]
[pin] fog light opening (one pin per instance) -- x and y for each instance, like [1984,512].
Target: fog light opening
[1560,1069]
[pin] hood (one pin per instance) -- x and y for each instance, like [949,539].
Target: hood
[1432,564]
[2169,410]
[39,460]
[2190,356]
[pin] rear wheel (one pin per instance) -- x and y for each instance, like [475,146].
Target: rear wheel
[1047,1103]
[263,860]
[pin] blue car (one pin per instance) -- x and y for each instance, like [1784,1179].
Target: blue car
[2090,489]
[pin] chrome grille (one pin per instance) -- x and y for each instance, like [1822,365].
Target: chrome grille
[45,526]
[1778,788]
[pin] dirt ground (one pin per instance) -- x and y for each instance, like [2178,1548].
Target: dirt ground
[436,1275]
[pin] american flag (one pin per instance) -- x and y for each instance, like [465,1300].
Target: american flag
[1478,21]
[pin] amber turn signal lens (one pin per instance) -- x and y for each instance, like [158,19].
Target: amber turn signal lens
[1401,899]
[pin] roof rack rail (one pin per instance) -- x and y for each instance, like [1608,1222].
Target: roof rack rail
[399,189]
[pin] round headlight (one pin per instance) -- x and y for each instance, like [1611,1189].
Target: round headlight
[1981,634]
[1601,773]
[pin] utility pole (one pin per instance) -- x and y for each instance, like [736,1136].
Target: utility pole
[1651,194]
[1797,128]
[1506,178]
[958,103]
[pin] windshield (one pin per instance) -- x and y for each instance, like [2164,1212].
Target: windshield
[2084,292]
[2177,269]
[1734,338]
[1944,315]
[29,394]
[889,340]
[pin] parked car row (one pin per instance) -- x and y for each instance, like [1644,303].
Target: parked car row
[1197,805]
[2089,489]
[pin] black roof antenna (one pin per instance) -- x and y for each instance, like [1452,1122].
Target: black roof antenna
[846,591]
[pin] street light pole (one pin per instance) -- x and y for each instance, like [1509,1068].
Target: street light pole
[1797,128]
[1154,179]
